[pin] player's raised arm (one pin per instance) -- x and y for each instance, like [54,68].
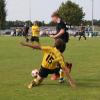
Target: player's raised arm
[31,46]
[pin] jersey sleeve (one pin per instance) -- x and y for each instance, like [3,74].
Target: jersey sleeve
[46,48]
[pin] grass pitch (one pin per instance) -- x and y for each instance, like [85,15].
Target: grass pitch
[16,63]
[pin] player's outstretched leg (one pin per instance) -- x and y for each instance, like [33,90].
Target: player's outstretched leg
[35,82]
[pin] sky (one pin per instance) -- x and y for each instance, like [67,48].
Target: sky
[42,9]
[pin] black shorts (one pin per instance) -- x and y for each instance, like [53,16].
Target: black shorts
[64,47]
[34,39]
[65,37]
[82,33]
[45,72]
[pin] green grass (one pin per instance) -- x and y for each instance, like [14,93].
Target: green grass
[16,63]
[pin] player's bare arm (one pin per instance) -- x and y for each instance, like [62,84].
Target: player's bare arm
[62,31]
[70,80]
[31,46]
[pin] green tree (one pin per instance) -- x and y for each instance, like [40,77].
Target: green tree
[71,13]
[2,13]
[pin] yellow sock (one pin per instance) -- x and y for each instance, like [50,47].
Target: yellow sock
[61,74]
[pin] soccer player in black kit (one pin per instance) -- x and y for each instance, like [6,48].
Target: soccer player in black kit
[61,34]
[60,28]
[82,32]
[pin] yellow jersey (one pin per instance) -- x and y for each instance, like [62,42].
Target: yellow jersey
[35,31]
[52,57]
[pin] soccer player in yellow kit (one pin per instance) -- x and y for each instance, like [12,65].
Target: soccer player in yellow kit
[35,32]
[51,60]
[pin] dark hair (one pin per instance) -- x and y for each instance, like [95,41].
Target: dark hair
[55,14]
[60,45]
[36,22]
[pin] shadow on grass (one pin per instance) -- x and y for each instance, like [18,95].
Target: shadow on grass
[91,83]
[55,84]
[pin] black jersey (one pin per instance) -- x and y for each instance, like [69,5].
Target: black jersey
[65,36]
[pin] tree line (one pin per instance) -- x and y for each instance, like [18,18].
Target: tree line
[2,13]
[69,11]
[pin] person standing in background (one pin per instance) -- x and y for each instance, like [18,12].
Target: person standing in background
[35,32]
[82,32]
[26,32]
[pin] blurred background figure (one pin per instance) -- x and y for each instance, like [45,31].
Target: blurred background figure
[82,32]
[13,32]
[17,31]
[26,32]
[89,31]
[35,32]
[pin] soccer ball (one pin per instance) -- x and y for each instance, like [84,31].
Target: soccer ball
[35,73]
